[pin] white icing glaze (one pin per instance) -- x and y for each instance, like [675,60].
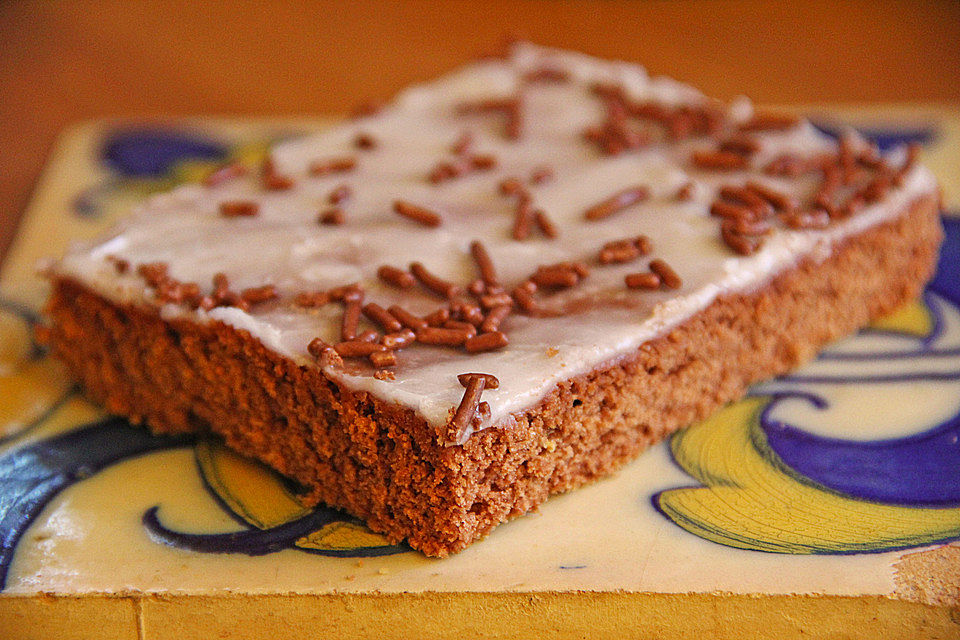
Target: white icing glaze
[285,246]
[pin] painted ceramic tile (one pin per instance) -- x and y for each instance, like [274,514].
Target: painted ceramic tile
[818,482]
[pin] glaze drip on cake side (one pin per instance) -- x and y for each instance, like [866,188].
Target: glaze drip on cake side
[601,320]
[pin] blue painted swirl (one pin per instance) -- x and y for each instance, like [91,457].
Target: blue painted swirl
[32,475]
[917,470]
[144,152]
[257,542]
[920,470]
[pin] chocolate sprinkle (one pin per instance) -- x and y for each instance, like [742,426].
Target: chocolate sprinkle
[438,317]
[643,280]
[369,335]
[770,121]
[365,141]
[747,198]
[255,295]
[441,336]
[324,353]
[463,417]
[351,318]
[467,311]
[346,292]
[746,227]
[523,296]
[460,325]
[541,174]
[723,209]
[490,381]
[272,180]
[319,168]
[383,359]
[433,283]
[742,244]
[742,144]
[545,223]
[685,192]
[786,165]
[495,317]
[340,194]
[399,339]
[522,214]
[332,217]
[486,342]
[312,299]
[667,275]
[238,208]
[620,251]
[780,201]
[617,202]
[511,187]
[397,277]
[119,264]
[719,160]
[357,348]
[555,276]
[382,317]
[492,300]
[153,273]
[407,319]
[485,265]
[417,213]
[463,144]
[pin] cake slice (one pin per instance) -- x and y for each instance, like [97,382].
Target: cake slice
[502,285]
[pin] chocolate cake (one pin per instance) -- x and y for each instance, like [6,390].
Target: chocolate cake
[500,286]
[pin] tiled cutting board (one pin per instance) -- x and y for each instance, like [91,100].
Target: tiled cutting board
[826,504]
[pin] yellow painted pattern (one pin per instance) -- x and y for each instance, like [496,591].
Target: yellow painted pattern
[751,501]
[29,387]
[251,155]
[247,488]
[913,319]
[262,499]
[342,536]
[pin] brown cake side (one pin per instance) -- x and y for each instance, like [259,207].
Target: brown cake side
[384,464]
